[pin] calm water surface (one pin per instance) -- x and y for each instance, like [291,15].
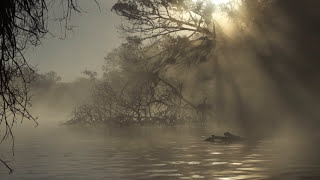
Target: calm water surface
[57,153]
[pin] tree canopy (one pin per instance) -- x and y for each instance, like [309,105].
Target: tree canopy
[131,94]
[158,18]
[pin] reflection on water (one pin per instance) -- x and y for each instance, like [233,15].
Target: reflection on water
[60,154]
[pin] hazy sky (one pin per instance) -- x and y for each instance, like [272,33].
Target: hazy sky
[94,37]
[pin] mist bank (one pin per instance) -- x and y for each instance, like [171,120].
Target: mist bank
[53,100]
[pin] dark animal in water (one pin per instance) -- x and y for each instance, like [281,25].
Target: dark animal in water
[228,138]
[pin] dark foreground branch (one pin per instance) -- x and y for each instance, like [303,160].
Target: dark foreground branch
[6,164]
[23,24]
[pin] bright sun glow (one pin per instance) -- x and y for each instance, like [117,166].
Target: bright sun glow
[221,18]
[217,1]
[220,1]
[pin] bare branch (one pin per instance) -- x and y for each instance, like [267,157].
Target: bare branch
[159,18]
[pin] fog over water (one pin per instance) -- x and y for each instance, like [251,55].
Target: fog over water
[157,153]
[141,117]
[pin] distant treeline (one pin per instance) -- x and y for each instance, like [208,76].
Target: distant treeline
[49,93]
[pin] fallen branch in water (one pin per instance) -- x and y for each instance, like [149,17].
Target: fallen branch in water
[228,137]
[6,164]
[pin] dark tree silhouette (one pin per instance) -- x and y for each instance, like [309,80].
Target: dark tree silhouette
[23,23]
[133,92]
[158,18]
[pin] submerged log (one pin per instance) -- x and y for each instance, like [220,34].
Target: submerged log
[228,138]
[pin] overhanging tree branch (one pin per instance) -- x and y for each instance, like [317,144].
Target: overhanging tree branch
[158,18]
[23,23]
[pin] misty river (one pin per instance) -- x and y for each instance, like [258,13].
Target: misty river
[156,153]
